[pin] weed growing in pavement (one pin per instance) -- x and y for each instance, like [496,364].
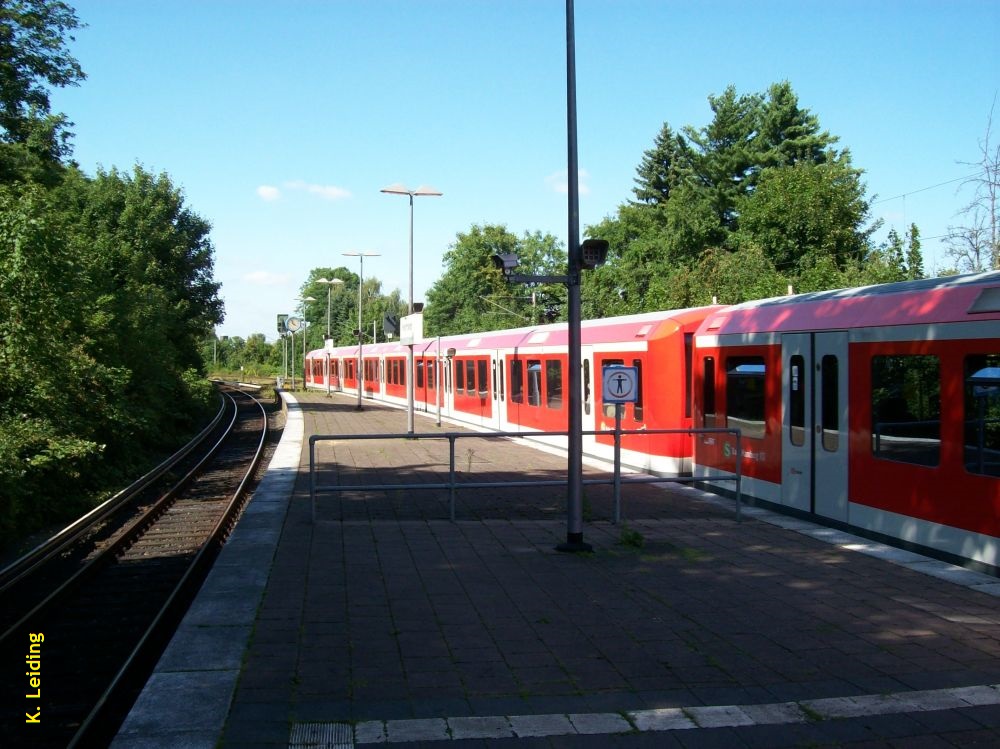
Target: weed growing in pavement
[811,714]
[631,538]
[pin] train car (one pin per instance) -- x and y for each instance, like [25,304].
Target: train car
[874,409]
[517,380]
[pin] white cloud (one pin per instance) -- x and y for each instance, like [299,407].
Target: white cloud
[270,193]
[327,192]
[559,182]
[265,278]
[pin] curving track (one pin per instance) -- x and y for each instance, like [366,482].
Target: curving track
[85,618]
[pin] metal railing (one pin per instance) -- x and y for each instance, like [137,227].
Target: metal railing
[453,485]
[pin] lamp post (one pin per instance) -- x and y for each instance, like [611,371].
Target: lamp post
[361,282]
[423,190]
[305,325]
[330,283]
[574,500]
[328,340]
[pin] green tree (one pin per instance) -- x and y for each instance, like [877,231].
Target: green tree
[34,57]
[663,167]
[54,394]
[343,305]
[734,277]
[472,295]
[146,261]
[789,135]
[726,151]
[800,212]
[762,175]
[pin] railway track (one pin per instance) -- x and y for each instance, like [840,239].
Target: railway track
[84,617]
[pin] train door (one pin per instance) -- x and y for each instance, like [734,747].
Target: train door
[814,423]
[499,391]
[587,391]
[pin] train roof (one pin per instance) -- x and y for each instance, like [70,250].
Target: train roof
[926,301]
[646,326]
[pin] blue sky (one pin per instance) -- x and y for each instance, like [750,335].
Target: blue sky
[281,121]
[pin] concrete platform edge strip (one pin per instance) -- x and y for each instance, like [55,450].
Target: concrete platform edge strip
[340,735]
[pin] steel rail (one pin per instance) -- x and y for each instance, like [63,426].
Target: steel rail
[164,618]
[130,533]
[30,561]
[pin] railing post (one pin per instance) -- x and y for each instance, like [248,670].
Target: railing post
[451,477]
[312,479]
[739,474]
[618,463]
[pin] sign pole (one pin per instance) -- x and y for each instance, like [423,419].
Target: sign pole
[618,463]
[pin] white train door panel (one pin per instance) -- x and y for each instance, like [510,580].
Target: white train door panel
[814,423]
[796,421]
[589,423]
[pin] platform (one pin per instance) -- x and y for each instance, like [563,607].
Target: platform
[384,622]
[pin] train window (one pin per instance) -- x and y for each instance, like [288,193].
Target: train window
[459,377]
[688,372]
[501,381]
[553,384]
[483,372]
[797,400]
[830,407]
[586,386]
[708,392]
[431,369]
[745,408]
[982,414]
[494,379]
[447,376]
[534,382]
[419,365]
[637,407]
[517,381]
[470,377]
[906,409]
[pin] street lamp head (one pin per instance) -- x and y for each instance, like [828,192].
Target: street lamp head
[427,190]
[399,188]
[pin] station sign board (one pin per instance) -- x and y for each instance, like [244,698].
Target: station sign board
[411,328]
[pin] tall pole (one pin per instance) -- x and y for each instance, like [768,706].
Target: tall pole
[330,283]
[361,334]
[574,501]
[409,348]
[361,283]
[423,190]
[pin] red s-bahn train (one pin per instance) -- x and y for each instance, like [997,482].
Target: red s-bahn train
[874,409]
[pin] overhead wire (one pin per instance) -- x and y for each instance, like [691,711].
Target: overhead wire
[925,189]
